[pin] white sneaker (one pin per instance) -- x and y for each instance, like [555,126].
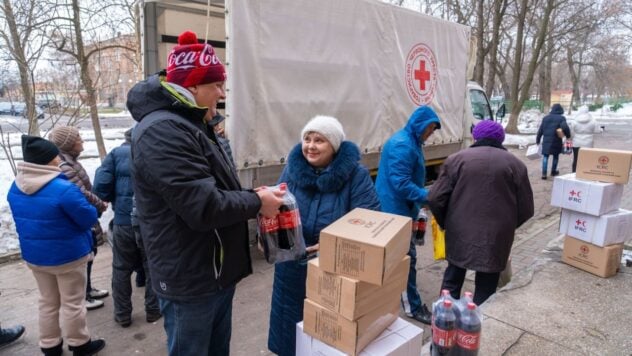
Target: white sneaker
[92,304]
[98,293]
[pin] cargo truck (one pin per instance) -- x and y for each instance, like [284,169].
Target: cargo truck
[365,62]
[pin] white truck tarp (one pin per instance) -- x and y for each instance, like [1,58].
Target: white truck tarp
[367,63]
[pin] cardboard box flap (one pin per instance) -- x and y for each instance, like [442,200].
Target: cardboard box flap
[368,226]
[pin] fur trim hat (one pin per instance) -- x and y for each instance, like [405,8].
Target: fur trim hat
[64,137]
[191,63]
[327,126]
[489,129]
[38,150]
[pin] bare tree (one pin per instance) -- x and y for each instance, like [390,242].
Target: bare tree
[23,35]
[521,89]
[69,39]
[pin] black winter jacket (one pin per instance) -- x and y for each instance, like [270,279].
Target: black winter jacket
[192,211]
[551,143]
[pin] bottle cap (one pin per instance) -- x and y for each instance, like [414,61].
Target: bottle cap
[283,186]
[471,306]
[468,294]
[447,303]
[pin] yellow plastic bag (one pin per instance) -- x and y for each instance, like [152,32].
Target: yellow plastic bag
[438,240]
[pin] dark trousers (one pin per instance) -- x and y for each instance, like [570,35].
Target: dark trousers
[411,299]
[485,283]
[126,256]
[200,328]
[89,273]
[575,155]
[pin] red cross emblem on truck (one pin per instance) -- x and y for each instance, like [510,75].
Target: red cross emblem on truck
[420,74]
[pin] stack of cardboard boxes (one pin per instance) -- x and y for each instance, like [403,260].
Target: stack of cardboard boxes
[354,287]
[594,225]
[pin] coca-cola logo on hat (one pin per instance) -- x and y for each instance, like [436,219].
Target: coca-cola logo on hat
[187,59]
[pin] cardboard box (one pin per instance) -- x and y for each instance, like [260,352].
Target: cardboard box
[401,338]
[600,261]
[352,298]
[604,165]
[612,228]
[590,197]
[365,245]
[350,336]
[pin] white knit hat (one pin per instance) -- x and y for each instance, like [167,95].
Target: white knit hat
[327,126]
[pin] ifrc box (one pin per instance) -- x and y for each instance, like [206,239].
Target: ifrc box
[585,196]
[401,338]
[611,228]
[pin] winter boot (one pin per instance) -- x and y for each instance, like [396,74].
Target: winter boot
[88,349]
[54,351]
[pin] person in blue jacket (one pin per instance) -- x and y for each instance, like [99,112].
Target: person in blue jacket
[113,183]
[551,142]
[324,174]
[53,220]
[400,184]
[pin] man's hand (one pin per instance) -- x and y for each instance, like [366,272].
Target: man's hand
[271,201]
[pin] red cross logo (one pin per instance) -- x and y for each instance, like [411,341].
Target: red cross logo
[584,249]
[603,160]
[572,193]
[422,75]
[578,222]
[356,221]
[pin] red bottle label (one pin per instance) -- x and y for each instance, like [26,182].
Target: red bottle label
[288,219]
[443,337]
[469,341]
[267,225]
[421,225]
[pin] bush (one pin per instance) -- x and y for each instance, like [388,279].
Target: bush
[595,107]
[616,107]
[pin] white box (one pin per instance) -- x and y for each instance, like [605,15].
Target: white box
[401,338]
[585,196]
[612,228]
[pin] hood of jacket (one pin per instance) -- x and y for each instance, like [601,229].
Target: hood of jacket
[330,179]
[419,120]
[583,118]
[154,93]
[557,109]
[32,177]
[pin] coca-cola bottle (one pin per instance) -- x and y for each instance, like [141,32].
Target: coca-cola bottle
[419,227]
[461,304]
[445,295]
[468,333]
[289,221]
[268,235]
[443,329]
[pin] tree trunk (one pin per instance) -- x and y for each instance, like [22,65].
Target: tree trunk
[87,81]
[499,10]
[526,86]
[512,123]
[479,68]
[574,78]
[25,72]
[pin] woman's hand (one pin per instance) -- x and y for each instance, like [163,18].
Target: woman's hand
[313,248]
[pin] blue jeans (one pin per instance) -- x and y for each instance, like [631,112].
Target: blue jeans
[199,328]
[411,300]
[545,163]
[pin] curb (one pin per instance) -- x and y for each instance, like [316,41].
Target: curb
[10,257]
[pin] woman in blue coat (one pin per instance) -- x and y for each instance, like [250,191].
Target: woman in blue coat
[551,142]
[325,175]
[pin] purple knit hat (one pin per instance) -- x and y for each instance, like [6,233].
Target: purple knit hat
[489,129]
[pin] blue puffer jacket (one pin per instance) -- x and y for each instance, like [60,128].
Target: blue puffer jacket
[52,217]
[402,173]
[551,143]
[322,199]
[113,183]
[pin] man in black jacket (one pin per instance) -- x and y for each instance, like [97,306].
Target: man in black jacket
[191,208]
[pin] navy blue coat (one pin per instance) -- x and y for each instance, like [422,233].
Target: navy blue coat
[551,143]
[113,183]
[322,198]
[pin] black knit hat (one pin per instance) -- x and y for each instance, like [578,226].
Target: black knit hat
[38,150]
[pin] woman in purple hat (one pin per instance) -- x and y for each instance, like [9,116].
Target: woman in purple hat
[481,197]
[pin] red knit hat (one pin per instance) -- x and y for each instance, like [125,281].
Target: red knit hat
[191,63]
